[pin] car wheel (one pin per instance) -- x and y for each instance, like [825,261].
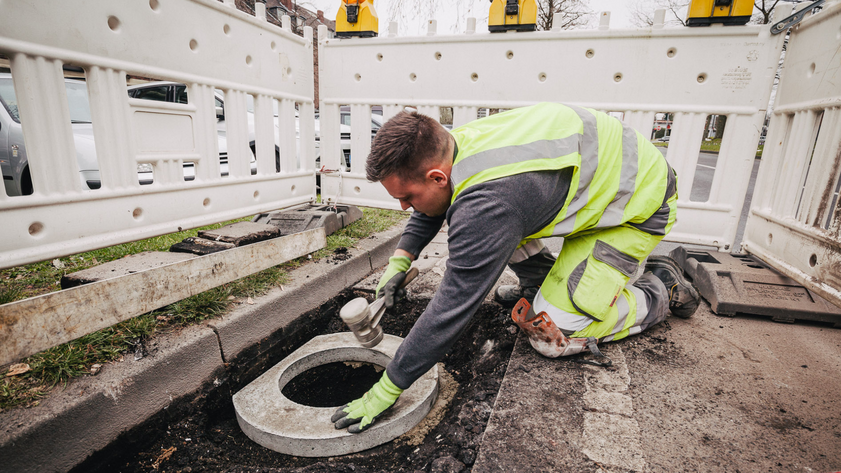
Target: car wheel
[26,182]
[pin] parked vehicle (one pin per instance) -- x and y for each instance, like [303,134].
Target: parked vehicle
[175,92]
[17,178]
[13,158]
[344,136]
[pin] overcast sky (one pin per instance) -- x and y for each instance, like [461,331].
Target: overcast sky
[451,14]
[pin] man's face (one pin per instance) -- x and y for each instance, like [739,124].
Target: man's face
[431,196]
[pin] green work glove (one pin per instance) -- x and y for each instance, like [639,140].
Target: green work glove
[361,413]
[394,276]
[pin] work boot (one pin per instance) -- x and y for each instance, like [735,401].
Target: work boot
[509,295]
[683,297]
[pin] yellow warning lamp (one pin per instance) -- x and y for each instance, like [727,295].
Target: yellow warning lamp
[357,18]
[728,12]
[517,15]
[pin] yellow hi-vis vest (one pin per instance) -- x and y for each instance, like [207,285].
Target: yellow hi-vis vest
[619,175]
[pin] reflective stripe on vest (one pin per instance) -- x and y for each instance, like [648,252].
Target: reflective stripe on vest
[604,151]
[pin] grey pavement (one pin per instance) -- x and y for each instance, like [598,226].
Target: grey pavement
[708,393]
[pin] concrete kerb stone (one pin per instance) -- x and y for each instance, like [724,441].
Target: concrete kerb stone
[71,424]
[309,287]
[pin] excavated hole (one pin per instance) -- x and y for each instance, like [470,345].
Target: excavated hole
[477,363]
[333,384]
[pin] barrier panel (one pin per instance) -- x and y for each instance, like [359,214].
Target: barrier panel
[213,54]
[690,73]
[794,222]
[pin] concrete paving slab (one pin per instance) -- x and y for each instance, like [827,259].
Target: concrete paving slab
[703,394]
[272,420]
[73,423]
[200,246]
[241,233]
[123,266]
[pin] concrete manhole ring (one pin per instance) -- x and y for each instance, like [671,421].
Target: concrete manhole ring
[275,422]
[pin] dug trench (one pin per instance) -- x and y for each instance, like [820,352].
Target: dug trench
[200,432]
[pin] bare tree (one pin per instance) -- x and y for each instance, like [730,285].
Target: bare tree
[642,12]
[765,11]
[415,14]
[565,14]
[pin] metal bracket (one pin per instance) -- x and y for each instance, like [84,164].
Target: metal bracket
[794,18]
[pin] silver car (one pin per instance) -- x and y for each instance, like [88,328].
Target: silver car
[13,163]
[17,179]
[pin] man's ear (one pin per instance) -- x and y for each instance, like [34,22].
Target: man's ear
[440,178]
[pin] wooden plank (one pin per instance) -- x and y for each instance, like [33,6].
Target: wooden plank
[36,324]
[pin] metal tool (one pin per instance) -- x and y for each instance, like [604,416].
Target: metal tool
[363,318]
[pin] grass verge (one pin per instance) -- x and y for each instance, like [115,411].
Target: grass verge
[80,357]
[713,146]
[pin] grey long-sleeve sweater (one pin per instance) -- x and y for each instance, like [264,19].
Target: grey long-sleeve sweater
[486,223]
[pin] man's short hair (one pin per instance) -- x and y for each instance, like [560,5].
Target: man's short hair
[404,145]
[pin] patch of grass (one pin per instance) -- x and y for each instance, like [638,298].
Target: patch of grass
[61,363]
[372,221]
[34,279]
[712,145]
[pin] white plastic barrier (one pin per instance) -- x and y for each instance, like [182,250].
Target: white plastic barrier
[691,72]
[204,44]
[794,222]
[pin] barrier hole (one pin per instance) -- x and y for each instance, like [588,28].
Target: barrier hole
[705,168]
[332,384]
[357,190]
[702,77]
[617,77]
[256,194]
[248,60]
[834,204]
[446,117]
[189,169]
[206,202]
[226,29]
[541,77]
[770,238]
[811,70]
[274,46]
[194,45]
[474,77]
[379,57]
[437,56]
[413,77]
[292,189]
[813,260]
[509,54]
[590,53]
[671,52]
[357,77]
[114,23]
[36,228]
[813,143]
[288,70]
[154,5]
[137,213]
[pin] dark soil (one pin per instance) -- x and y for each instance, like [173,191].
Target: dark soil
[201,434]
[339,254]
